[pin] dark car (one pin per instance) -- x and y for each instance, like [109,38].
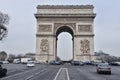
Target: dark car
[1,62]
[54,62]
[103,68]
[88,62]
[81,63]
[75,63]
[61,62]
[3,71]
[114,64]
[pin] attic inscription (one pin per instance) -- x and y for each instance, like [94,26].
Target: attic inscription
[45,28]
[84,28]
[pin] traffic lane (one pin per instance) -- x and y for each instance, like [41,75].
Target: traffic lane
[114,74]
[91,73]
[74,74]
[25,74]
[49,74]
[14,68]
[22,75]
[17,68]
[62,74]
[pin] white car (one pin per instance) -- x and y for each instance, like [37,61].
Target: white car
[30,64]
[5,62]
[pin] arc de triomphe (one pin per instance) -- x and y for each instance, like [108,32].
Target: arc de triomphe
[78,20]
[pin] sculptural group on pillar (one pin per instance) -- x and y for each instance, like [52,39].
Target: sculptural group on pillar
[44,46]
[85,46]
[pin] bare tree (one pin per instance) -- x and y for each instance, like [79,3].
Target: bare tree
[3,55]
[11,57]
[4,20]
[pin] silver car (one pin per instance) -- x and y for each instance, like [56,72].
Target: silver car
[103,68]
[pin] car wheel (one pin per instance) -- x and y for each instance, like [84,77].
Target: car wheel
[4,74]
[97,71]
[5,71]
[110,72]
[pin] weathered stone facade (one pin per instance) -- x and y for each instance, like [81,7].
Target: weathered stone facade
[78,20]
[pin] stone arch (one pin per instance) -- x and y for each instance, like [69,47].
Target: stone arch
[78,20]
[64,29]
[57,26]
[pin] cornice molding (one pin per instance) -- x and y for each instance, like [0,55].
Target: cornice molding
[84,35]
[84,55]
[54,35]
[44,35]
[64,15]
[65,7]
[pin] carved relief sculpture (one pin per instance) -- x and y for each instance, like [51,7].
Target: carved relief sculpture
[85,46]
[45,28]
[84,28]
[44,45]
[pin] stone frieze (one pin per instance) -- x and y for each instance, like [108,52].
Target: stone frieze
[84,28]
[45,28]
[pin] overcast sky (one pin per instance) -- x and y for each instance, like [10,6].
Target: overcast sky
[22,26]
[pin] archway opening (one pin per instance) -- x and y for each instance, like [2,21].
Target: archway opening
[64,46]
[64,43]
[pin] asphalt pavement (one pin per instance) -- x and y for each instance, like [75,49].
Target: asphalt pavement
[57,72]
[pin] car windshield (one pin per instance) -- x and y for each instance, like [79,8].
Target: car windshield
[104,65]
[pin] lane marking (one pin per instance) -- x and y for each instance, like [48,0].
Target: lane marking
[57,74]
[40,71]
[67,74]
[29,77]
[35,74]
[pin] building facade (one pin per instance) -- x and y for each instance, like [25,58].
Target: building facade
[78,20]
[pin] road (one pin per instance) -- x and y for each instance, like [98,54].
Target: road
[57,72]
